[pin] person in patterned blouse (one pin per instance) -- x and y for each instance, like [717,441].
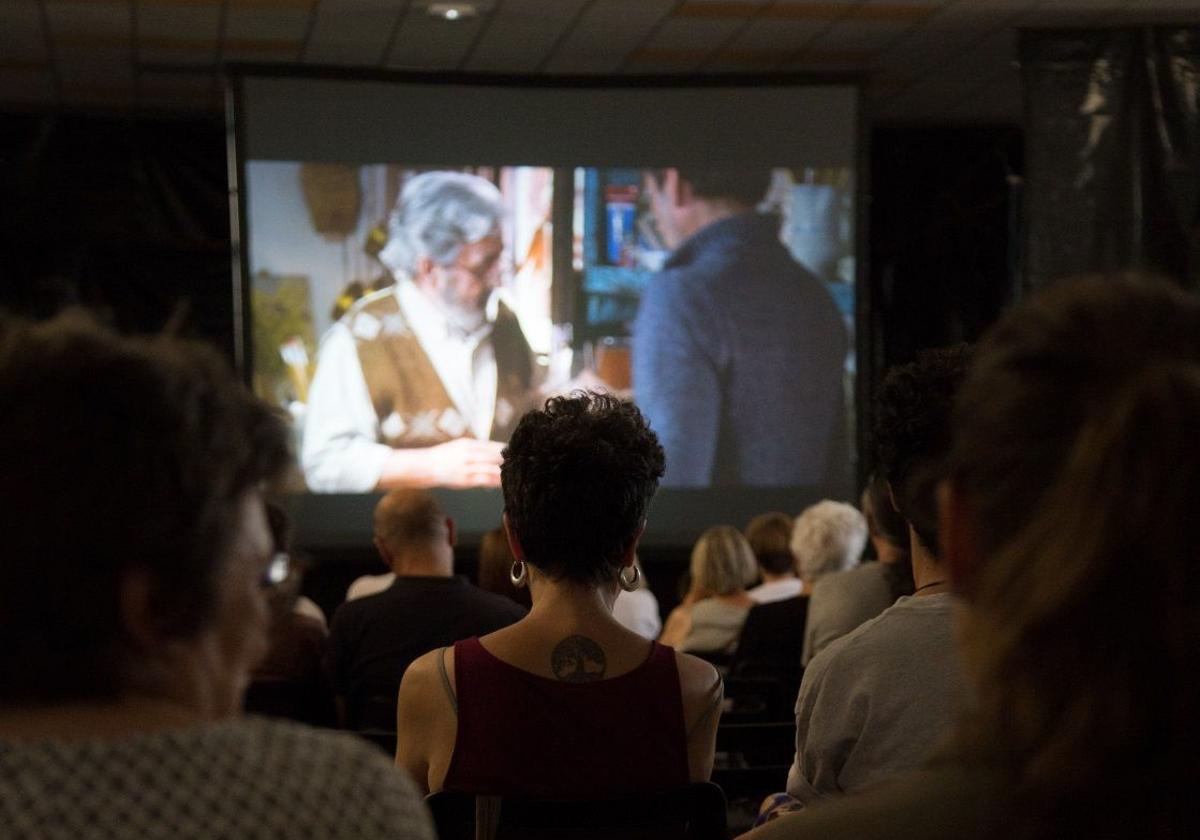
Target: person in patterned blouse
[132,606]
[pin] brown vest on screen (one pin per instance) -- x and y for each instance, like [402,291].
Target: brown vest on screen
[412,404]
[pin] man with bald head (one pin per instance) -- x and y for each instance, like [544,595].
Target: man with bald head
[373,639]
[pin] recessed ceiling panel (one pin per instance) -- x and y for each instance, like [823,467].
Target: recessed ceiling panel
[265,24]
[521,36]
[428,43]
[21,35]
[683,44]
[353,33]
[74,25]
[178,34]
[606,33]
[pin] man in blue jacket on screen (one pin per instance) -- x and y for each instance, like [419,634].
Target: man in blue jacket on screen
[738,350]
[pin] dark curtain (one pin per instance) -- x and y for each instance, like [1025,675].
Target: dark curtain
[124,214]
[1113,150]
[942,233]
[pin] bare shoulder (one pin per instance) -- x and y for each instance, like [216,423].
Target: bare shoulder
[423,677]
[697,678]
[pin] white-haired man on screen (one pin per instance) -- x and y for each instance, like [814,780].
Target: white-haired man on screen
[419,384]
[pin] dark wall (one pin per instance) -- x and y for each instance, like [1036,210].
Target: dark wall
[127,216]
[943,230]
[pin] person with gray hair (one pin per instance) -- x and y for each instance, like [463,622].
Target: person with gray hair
[828,537]
[419,384]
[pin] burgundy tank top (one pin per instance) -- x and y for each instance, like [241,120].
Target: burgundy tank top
[524,734]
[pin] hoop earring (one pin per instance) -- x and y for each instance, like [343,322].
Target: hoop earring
[627,584]
[518,574]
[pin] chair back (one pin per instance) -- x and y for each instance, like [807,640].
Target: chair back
[753,759]
[695,812]
[305,702]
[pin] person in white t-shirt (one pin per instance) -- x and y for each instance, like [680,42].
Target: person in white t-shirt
[637,609]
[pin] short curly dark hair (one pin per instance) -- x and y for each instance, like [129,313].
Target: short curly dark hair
[912,431]
[119,453]
[577,476]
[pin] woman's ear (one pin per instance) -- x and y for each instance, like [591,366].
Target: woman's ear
[957,550]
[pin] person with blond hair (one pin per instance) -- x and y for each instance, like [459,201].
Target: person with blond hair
[711,616]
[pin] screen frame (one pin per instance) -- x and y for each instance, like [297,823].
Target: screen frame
[320,518]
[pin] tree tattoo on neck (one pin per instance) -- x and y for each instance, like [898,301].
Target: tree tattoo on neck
[578,659]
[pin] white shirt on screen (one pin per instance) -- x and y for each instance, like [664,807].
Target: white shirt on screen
[341,451]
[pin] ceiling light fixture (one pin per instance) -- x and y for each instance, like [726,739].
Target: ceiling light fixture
[452,11]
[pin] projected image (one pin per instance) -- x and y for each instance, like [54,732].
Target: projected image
[430,291]
[728,297]
[406,317]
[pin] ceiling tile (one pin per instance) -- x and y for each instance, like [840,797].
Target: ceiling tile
[351,33]
[520,38]
[696,34]
[779,34]
[765,45]
[683,45]
[177,34]
[427,43]
[21,35]
[862,34]
[191,22]
[266,24]
[95,24]
[608,31]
